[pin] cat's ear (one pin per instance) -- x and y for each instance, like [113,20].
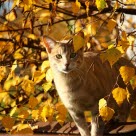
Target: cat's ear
[48,43]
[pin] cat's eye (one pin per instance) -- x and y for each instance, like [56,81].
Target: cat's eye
[58,56]
[73,55]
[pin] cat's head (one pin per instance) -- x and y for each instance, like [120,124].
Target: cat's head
[62,55]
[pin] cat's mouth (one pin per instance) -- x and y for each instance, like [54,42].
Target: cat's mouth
[66,71]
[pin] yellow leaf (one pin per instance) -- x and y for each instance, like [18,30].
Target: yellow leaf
[2,72]
[133,82]
[78,42]
[102,103]
[88,116]
[13,111]
[24,129]
[5,98]
[127,73]
[38,76]
[35,114]
[28,86]
[8,122]
[76,7]
[28,2]
[11,16]
[23,114]
[45,65]
[32,102]
[106,113]
[49,76]
[48,1]
[124,36]
[62,113]
[32,36]
[112,55]
[14,66]
[119,94]
[17,55]
[100,4]
[111,24]
[47,113]
[47,86]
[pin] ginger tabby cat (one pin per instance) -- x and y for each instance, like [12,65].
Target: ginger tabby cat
[81,80]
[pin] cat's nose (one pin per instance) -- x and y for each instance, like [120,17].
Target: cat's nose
[66,66]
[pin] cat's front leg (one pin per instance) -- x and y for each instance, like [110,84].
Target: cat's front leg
[80,122]
[97,126]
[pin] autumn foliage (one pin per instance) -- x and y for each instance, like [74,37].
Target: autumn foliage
[27,91]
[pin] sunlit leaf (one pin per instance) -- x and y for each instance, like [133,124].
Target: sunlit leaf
[32,36]
[127,73]
[13,111]
[106,113]
[102,103]
[28,86]
[11,16]
[45,65]
[47,113]
[78,42]
[100,4]
[17,55]
[47,86]
[35,114]
[8,122]
[49,75]
[119,94]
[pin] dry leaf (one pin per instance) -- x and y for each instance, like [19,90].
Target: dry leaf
[8,122]
[76,7]
[32,102]
[62,112]
[111,24]
[38,76]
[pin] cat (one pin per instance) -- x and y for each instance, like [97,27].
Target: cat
[81,80]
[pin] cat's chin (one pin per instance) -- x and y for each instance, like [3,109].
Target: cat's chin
[65,71]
